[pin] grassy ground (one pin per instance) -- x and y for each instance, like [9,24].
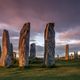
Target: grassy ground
[62,71]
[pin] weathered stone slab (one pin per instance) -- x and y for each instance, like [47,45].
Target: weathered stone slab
[49,38]
[0,51]
[24,45]
[67,52]
[9,59]
[33,51]
[5,48]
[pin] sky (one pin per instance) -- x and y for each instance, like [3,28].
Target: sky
[64,13]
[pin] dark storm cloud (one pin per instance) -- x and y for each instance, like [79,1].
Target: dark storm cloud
[65,13]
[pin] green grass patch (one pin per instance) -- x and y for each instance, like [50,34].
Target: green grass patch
[63,71]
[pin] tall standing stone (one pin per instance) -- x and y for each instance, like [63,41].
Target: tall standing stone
[33,51]
[67,52]
[0,51]
[49,37]
[24,45]
[9,60]
[11,49]
[5,48]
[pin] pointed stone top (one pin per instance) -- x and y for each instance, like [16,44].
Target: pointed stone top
[28,23]
[6,33]
[50,24]
[67,44]
[33,44]
[5,30]
[26,27]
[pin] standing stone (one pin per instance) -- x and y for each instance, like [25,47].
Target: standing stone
[49,37]
[0,51]
[67,52]
[11,49]
[24,45]
[5,48]
[33,51]
[9,60]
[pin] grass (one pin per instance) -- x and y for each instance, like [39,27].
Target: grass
[62,71]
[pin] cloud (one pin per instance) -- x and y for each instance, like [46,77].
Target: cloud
[70,34]
[71,37]
[64,13]
[15,37]
[39,51]
[38,39]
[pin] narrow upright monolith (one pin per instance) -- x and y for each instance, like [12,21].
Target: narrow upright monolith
[0,52]
[9,60]
[33,51]
[5,48]
[49,38]
[24,46]
[67,52]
